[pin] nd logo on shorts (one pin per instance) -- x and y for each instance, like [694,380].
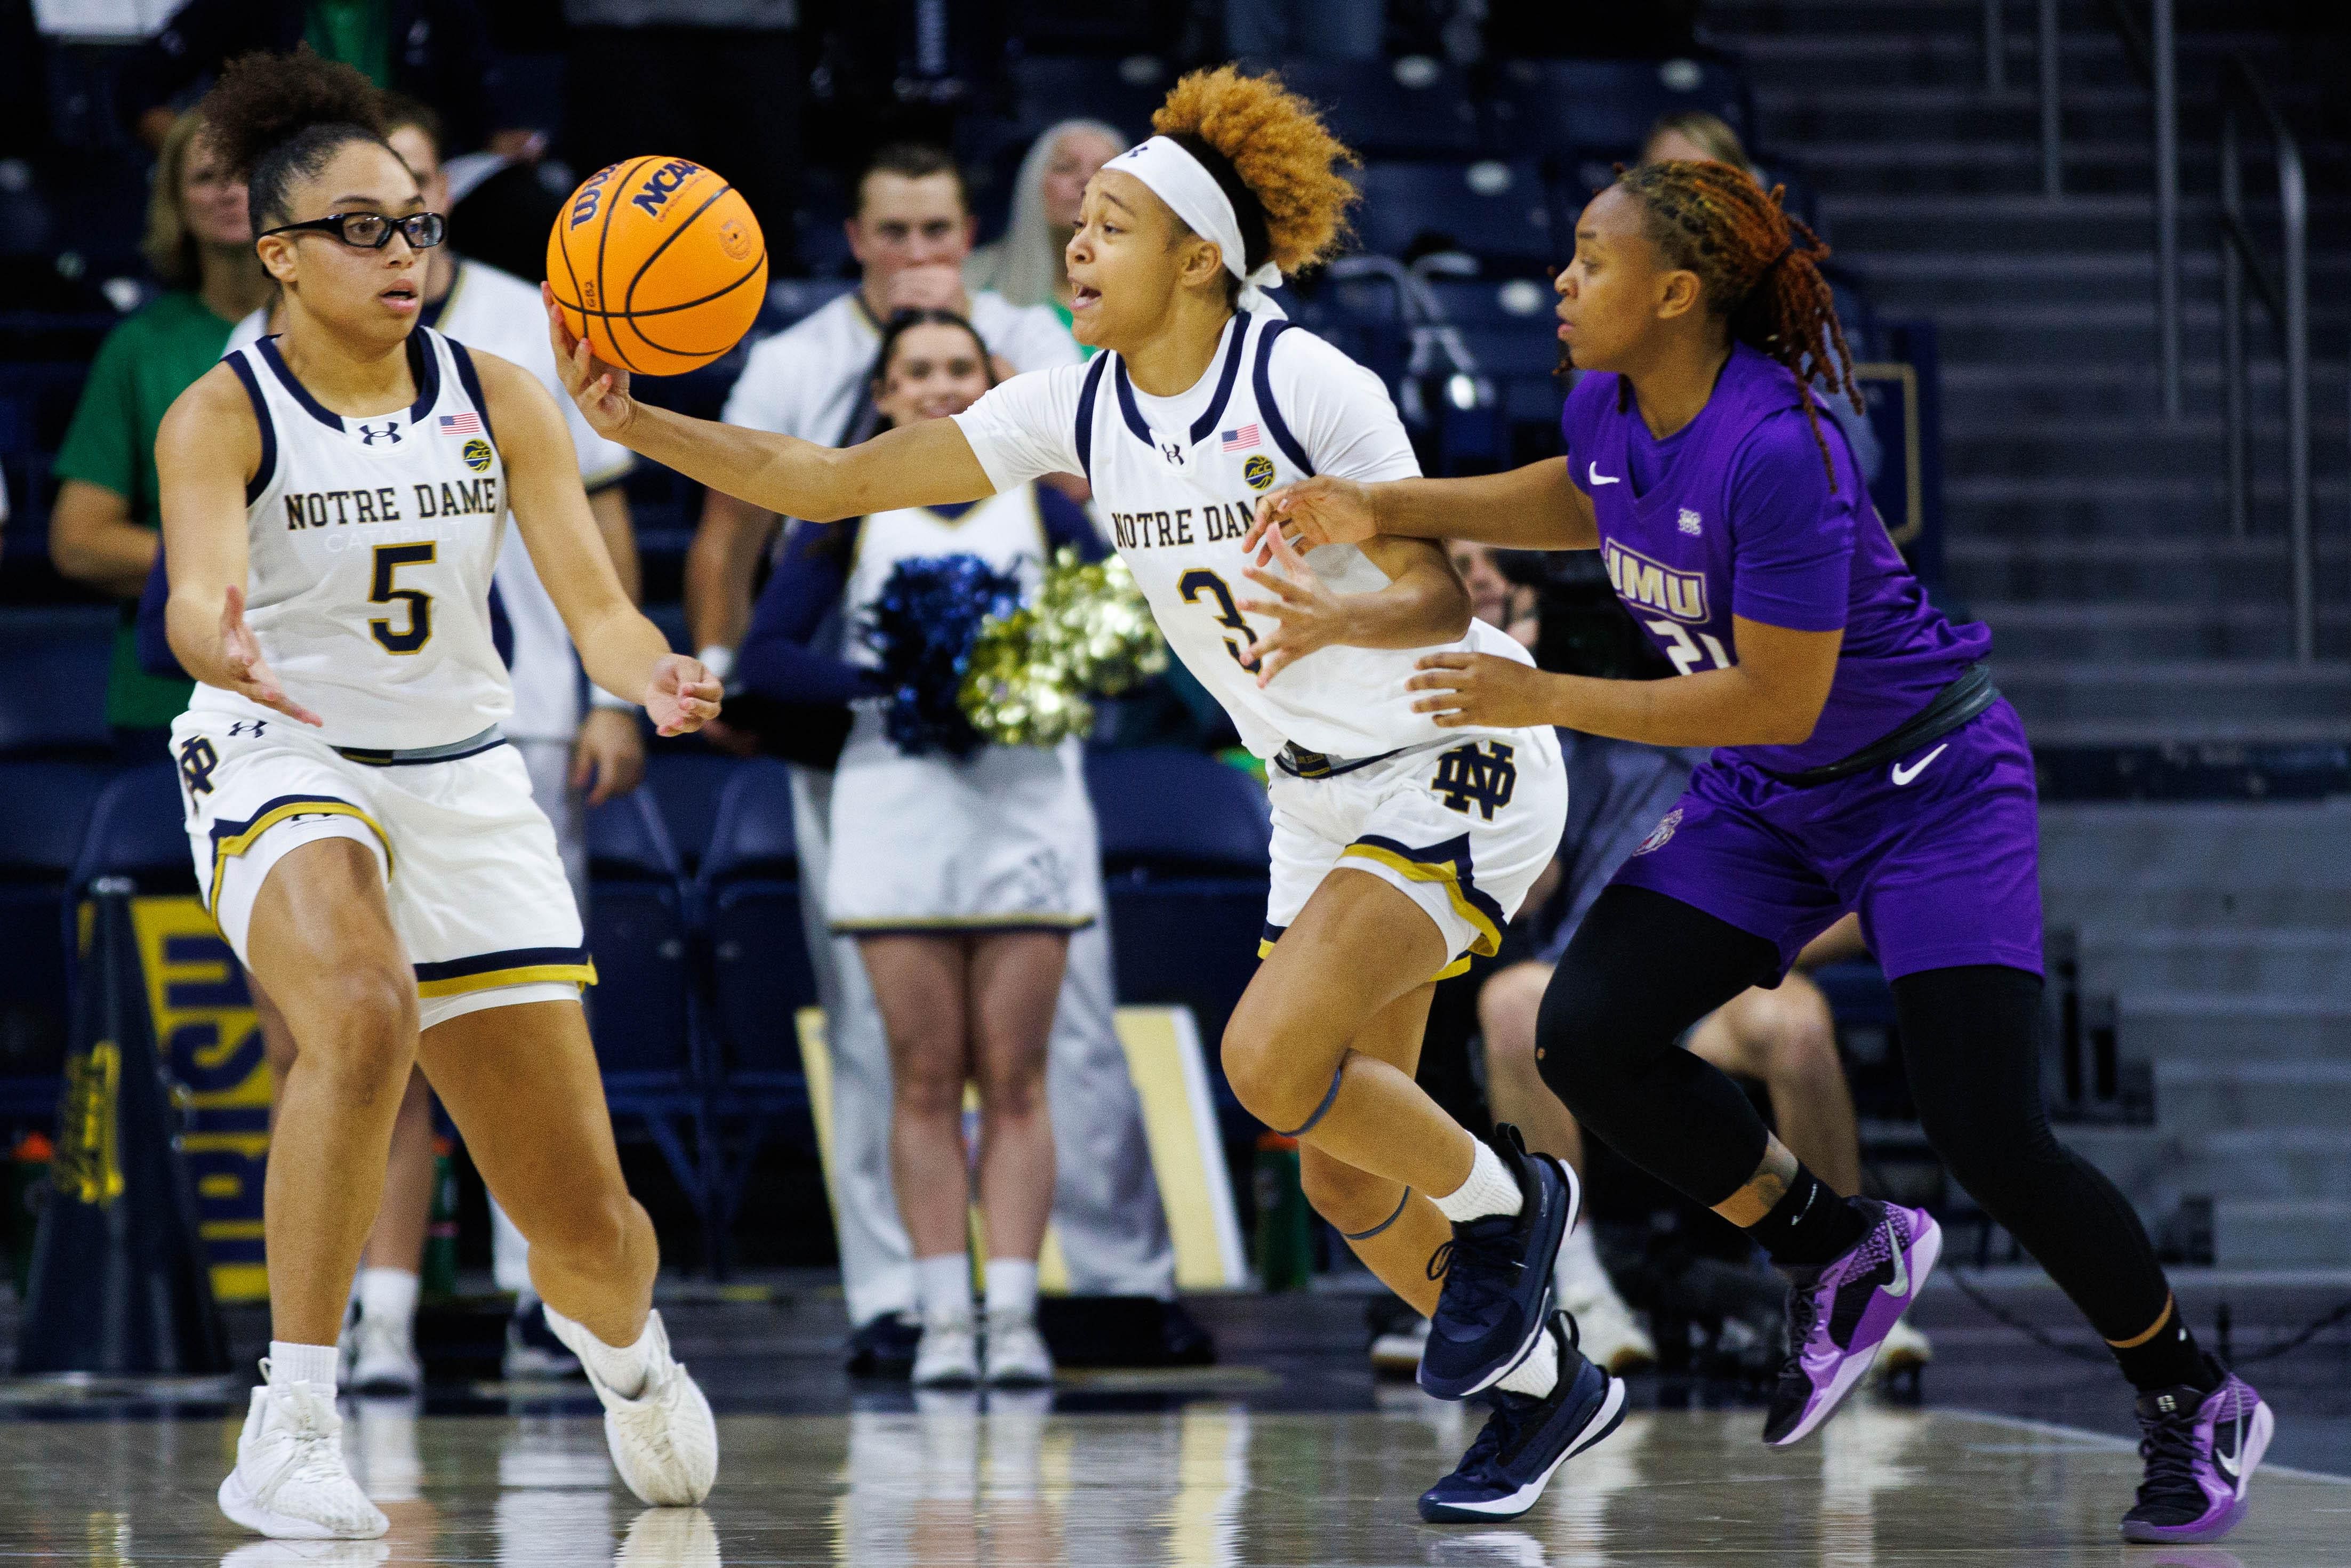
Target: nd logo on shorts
[1662,832]
[1484,776]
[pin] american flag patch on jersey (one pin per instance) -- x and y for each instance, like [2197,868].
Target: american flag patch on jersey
[461,424]
[1240,440]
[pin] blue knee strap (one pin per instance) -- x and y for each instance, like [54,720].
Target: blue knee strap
[1382,1225]
[1320,1111]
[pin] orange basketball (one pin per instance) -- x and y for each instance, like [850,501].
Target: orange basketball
[659,263]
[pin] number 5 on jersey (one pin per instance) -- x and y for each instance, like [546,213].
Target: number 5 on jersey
[389,559]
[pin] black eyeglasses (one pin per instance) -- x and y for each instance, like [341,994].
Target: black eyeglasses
[371,230]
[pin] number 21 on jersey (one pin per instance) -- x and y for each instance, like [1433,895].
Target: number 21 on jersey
[1686,653]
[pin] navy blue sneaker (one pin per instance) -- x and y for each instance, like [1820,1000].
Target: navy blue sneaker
[1497,1276]
[1526,1440]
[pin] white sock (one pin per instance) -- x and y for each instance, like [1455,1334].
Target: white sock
[1489,1190]
[1579,1273]
[1012,1287]
[623,1368]
[943,1288]
[1538,1373]
[291,1363]
[389,1295]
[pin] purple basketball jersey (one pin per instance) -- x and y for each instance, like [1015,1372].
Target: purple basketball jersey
[1734,514]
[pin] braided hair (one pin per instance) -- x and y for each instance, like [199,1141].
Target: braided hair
[1758,268]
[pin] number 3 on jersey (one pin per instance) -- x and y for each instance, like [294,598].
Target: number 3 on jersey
[1200,580]
[1684,652]
[389,559]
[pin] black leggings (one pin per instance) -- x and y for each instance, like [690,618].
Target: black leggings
[1644,967]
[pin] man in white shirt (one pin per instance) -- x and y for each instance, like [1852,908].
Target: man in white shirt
[912,231]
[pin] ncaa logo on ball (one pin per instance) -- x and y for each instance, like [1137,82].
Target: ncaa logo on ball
[661,184]
[1259,472]
[476,454]
[1662,832]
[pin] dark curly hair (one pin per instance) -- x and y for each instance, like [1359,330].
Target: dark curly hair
[279,117]
[1759,270]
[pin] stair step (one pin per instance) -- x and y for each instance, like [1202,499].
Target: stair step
[2156,1166]
[2119,389]
[1926,282]
[2197,1097]
[1953,223]
[2069,505]
[2241,689]
[2205,865]
[1954,58]
[2211,574]
[2223,1025]
[2218,964]
[2256,628]
[2281,1233]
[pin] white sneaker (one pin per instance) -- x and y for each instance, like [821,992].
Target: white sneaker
[1017,1356]
[1396,1352]
[1903,1348]
[290,1479]
[380,1358]
[1609,1335]
[664,1442]
[947,1355]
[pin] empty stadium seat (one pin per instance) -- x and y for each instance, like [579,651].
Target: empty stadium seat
[136,829]
[638,937]
[1124,92]
[1184,870]
[1520,303]
[749,899]
[685,785]
[1496,211]
[1411,108]
[1574,109]
[53,702]
[41,831]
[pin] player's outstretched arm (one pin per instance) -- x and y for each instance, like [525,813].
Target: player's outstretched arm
[622,650]
[206,449]
[925,464]
[1423,605]
[1534,507]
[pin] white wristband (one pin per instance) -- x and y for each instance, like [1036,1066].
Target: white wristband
[719,660]
[597,697]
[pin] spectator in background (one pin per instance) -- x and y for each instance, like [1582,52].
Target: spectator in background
[1327,29]
[912,234]
[1027,266]
[436,51]
[959,879]
[1697,136]
[105,529]
[718,81]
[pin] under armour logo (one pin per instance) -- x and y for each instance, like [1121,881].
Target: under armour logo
[370,435]
[239,726]
[197,760]
[1471,775]
[1173,453]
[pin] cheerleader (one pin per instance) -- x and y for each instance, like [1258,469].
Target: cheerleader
[960,877]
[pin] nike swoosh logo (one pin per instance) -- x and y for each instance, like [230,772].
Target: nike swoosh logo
[1598,478]
[1901,1285]
[1904,775]
[2226,1463]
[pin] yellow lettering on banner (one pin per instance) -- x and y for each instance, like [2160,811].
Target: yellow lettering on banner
[89,1164]
[209,1036]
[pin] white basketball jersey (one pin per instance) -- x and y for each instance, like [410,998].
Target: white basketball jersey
[371,543]
[1004,530]
[1177,502]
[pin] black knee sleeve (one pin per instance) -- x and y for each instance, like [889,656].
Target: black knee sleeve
[1641,970]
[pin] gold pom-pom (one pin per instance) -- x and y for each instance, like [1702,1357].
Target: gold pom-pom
[1089,633]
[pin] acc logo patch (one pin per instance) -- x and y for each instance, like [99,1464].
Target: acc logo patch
[1662,832]
[1259,472]
[476,454]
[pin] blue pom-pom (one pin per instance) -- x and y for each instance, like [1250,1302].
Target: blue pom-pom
[920,628]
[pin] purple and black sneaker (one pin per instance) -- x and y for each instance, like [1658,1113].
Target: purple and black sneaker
[1839,1314]
[2201,1451]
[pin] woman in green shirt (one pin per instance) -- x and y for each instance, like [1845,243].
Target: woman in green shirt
[104,528]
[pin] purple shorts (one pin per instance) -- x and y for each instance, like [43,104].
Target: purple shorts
[1939,851]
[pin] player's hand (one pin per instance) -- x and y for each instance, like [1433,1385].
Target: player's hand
[602,390]
[1481,689]
[1314,512]
[1307,614]
[932,286]
[609,757]
[249,674]
[682,695]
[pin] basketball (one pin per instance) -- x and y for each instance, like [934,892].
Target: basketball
[659,263]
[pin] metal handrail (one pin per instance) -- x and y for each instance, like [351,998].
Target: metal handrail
[2288,300]
[2152,53]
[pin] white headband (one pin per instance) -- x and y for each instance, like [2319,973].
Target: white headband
[1183,183]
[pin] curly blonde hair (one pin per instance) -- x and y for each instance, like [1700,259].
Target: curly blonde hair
[1281,150]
